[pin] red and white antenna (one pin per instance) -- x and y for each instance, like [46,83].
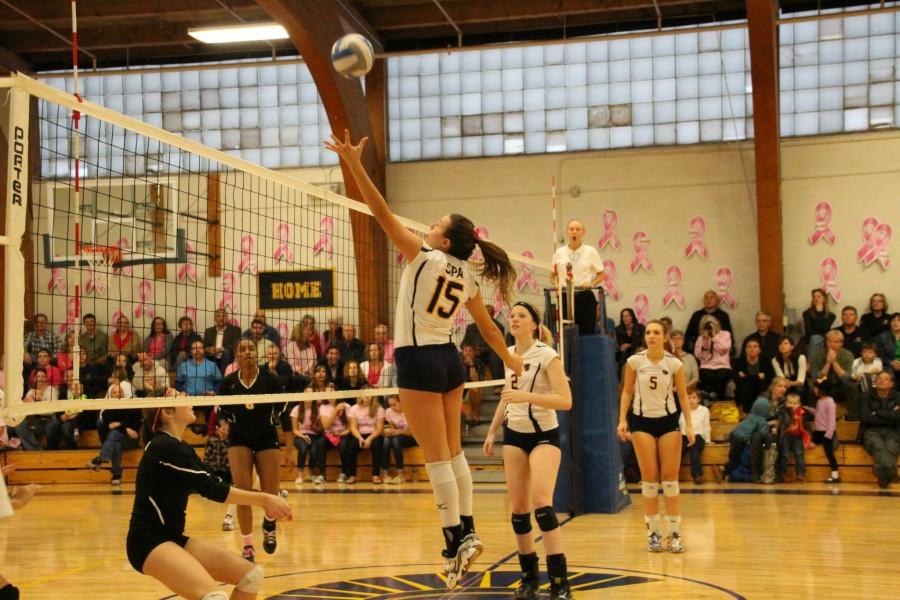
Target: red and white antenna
[76,155]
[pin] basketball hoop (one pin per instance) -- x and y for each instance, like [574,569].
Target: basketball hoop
[101,259]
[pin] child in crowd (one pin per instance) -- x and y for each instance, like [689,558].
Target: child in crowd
[397,436]
[793,438]
[309,420]
[700,420]
[366,429]
[825,427]
[752,431]
[215,457]
[867,367]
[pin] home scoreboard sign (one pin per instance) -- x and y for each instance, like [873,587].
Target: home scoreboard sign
[296,289]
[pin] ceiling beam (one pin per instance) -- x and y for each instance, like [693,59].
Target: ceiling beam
[60,12]
[10,62]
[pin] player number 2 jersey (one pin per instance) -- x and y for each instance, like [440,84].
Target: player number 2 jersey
[527,417]
[654,385]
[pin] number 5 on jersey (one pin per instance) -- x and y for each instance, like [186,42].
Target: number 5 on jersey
[450,289]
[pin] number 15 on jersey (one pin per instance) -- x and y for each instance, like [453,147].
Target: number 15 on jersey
[445,298]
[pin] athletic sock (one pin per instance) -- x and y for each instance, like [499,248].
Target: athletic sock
[557,568]
[453,537]
[652,522]
[528,563]
[268,525]
[463,483]
[230,510]
[468,524]
[248,539]
[446,494]
[674,524]
[835,475]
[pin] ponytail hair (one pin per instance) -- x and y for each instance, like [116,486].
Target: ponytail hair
[496,267]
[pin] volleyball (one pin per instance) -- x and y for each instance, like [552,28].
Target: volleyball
[352,55]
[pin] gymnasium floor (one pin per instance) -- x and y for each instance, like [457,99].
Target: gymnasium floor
[365,542]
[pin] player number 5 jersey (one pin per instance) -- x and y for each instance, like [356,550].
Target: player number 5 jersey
[654,385]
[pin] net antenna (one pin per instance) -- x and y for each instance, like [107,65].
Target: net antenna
[76,156]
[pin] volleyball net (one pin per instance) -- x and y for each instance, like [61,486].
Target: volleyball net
[133,225]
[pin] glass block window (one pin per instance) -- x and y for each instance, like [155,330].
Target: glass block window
[682,88]
[269,114]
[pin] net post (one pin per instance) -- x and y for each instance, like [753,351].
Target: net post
[16,213]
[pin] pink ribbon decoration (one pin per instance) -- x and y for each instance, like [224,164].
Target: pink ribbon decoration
[400,258]
[57,281]
[500,307]
[868,227]
[283,249]
[95,285]
[248,246]
[526,277]
[229,300]
[284,333]
[642,308]
[696,245]
[828,271]
[823,225]
[724,279]
[610,220]
[190,311]
[188,270]
[71,316]
[641,242]
[145,295]
[673,281]
[875,247]
[609,283]
[114,319]
[326,229]
[124,244]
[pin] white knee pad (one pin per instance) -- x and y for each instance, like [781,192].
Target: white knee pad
[252,581]
[670,488]
[649,489]
[217,595]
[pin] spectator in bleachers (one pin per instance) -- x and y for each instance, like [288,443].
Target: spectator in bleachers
[215,458]
[314,338]
[768,339]
[36,425]
[63,428]
[880,420]
[309,420]
[836,364]
[753,431]
[301,351]
[121,361]
[65,358]
[482,350]
[877,320]
[55,376]
[124,339]
[94,340]
[817,320]
[825,426]
[475,370]
[397,437]
[158,343]
[337,435]
[351,347]
[689,363]
[382,337]
[221,339]
[119,376]
[334,333]
[366,429]
[257,336]
[198,376]
[752,374]
[713,350]
[790,365]
[867,367]
[629,336]
[854,336]
[793,439]
[700,419]
[332,363]
[122,426]
[351,378]
[268,332]
[150,377]
[92,376]
[277,366]
[377,372]
[41,338]
[181,349]
[710,308]
[889,346]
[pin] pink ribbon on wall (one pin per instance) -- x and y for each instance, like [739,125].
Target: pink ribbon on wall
[673,282]
[283,249]
[823,225]
[696,245]
[526,277]
[188,270]
[610,220]
[642,308]
[94,285]
[641,242]
[868,227]
[326,229]
[124,244]
[724,279]
[190,311]
[114,319]
[877,237]
[71,316]
[500,307]
[609,283]
[229,300]
[248,247]
[145,295]
[284,333]
[57,281]
[828,271]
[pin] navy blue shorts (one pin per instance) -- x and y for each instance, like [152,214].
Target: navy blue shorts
[436,368]
[265,438]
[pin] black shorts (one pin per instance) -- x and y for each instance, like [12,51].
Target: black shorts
[436,368]
[141,543]
[529,441]
[264,438]
[655,426]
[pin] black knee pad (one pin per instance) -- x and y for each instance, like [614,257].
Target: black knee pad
[521,523]
[546,518]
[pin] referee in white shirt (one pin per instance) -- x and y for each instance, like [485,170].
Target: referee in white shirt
[582,265]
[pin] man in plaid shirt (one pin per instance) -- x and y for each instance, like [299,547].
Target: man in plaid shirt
[40,339]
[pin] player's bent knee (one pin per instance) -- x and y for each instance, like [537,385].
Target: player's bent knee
[670,488]
[521,523]
[252,582]
[546,518]
[649,489]
[217,595]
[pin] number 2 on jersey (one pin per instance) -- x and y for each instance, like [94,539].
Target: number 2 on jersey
[449,290]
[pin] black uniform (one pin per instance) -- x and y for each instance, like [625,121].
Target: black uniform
[168,473]
[253,425]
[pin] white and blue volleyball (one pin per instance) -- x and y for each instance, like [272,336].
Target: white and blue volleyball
[352,55]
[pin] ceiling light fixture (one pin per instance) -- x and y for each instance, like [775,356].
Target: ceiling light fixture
[238,33]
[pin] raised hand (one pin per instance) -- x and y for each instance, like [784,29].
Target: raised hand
[345,149]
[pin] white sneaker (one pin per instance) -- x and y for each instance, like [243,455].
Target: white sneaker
[228,523]
[654,542]
[319,480]
[342,478]
[674,543]
[456,567]
[299,480]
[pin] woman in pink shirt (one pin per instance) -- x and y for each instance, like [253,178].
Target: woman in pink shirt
[713,351]
[309,421]
[337,435]
[366,427]
[159,342]
[64,358]
[397,436]
[378,372]
[301,351]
